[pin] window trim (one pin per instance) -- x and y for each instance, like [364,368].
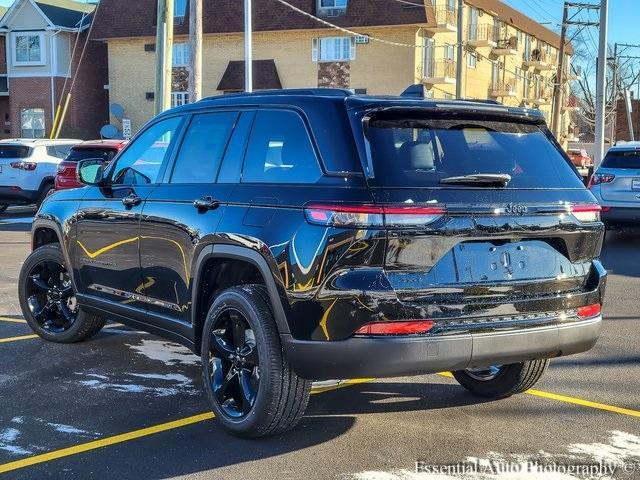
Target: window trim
[311,138]
[169,158]
[316,50]
[14,49]
[44,121]
[472,65]
[173,54]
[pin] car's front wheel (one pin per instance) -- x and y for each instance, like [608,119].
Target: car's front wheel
[250,386]
[500,381]
[48,300]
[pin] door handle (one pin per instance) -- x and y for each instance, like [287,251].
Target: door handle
[131,200]
[206,203]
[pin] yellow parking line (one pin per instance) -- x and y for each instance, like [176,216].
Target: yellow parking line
[104,442]
[345,383]
[16,339]
[12,320]
[573,400]
[125,437]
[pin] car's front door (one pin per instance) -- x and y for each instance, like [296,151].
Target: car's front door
[181,215]
[106,243]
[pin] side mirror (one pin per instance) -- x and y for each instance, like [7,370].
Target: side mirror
[90,171]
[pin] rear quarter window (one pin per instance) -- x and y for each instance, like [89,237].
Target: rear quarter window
[77,154]
[15,151]
[420,153]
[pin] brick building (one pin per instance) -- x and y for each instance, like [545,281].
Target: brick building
[507,55]
[42,42]
[622,122]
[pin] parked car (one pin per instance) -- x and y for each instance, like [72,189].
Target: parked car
[302,235]
[102,149]
[616,185]
[580,158]
[28,168]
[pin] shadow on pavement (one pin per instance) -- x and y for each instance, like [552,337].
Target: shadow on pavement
[620,253]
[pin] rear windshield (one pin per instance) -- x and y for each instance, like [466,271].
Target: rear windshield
[420,153]
[14,151]
[622,159]
[75,155]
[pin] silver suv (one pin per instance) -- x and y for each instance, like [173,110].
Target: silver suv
[616,185]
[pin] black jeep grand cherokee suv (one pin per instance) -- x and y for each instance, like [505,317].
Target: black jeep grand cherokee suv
[311,234]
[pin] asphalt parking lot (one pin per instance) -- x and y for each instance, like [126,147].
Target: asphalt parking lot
[128,404]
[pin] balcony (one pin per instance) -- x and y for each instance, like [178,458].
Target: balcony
[439,72]
[482,35]
[503,89]
[506,46]
[537,96]
[445,20]
[539,60]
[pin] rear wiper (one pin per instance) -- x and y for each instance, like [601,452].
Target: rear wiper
[501,179]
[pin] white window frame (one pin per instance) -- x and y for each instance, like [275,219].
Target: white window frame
[178,15]
[14,48]
[179,98]
[186,54]
[316,49]
[472,60]
[323,7]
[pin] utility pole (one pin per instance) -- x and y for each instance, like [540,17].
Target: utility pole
[248,52]
[195,57]
[164,56]
[601,83]
[627,97]
[460,52]
[558,85]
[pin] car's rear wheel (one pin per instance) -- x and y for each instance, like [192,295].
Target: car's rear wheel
[3,207]
[248,382]
[48,300]
[500,381]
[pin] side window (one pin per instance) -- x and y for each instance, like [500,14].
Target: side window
[203,147]
[280,150]
[140,163]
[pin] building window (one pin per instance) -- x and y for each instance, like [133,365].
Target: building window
[333,49]
[28,48]
[181,54]
[518,73]
[472,60]
[448,52]
[332,8]
[179,11]
[179,98]
[32,123]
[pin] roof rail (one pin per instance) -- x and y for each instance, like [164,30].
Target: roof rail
[418,91]
[320,92]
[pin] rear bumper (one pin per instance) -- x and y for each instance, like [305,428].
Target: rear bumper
[400,356]
[15,195]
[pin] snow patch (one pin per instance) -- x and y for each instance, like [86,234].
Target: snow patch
[62,428]
[158,385]
[8,437]
[166,352]
[17,420]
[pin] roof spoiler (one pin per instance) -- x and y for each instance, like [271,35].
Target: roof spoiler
[419,91]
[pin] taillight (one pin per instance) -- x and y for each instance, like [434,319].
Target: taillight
[588,212]
[598,178]
[408,327]
[589,311]
[372,215]
[66,167]
[28,166]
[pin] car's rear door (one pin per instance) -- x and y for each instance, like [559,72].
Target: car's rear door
[181,215]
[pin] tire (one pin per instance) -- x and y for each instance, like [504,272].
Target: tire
[3,207]
[281,397]
[82,326]
[44,193]
[509,379]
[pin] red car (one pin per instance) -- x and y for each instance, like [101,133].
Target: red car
[580,158]
[105,149]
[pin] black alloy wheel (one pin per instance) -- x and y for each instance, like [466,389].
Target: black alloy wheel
[50,296]
[234,363]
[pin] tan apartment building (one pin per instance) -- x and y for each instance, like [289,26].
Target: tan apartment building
[380,47]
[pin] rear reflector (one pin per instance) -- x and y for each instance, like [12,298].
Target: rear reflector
[372,215]
[589,212]
[589,311]
[396,328]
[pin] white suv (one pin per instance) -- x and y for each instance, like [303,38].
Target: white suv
[28,169]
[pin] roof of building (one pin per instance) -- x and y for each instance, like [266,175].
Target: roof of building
[3,10]
[126,18]
[265,76]
[67,14]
